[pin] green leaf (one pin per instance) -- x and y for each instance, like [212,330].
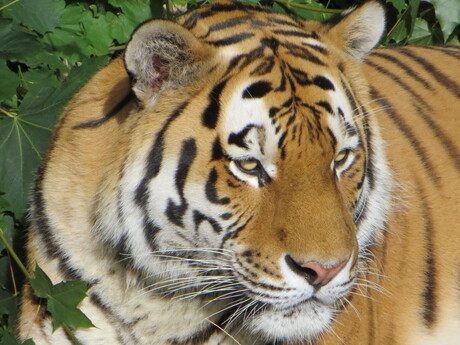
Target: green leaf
[40,283]
[41,16]
[7,228]
[63,305]
[421,33]
[8,82]
[4,204]
[5,276]
[448,14]
[400,5]
[9,306]
[63,300]
[24,136]
[16,45]
[136,11]
[414,6]
[98,33]
[8,302]
[7,338]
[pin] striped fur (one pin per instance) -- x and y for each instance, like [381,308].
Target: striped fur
[245,176]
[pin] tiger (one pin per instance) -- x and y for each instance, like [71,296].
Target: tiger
[240,176]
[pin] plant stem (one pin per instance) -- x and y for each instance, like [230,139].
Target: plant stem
[10,250]
[290,3]
[72,336]
[7,113]
[7,5]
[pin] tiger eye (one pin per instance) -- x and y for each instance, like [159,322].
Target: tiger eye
[249,164]
[341,157]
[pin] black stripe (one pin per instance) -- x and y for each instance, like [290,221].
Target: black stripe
[211,191]
[246,58]
[429,292]
[257,90]
[446,50]
[40,217]
[69,272]
[448,144]
[303,53]
[150,233]
[44,229]
[155,158]
[370,157]
[114,111]
[174,211]
[440,77]
[187,156]
[121,326]
[199,217]
[351,131]
[273,111]
[282,86]
[287,21]
[217,8]
[211,113]
[350,97]
[231,39]
[333,139]
[400,82]
[230,23]
[326,106]
[423,157]
[234,234]
[323,83]
[294,33]
[265,67]
[226,216]
[193,18]
[410,72]
[319,49]
[236,5]
[271,43]
[217,151]
[300,76]
[281,139]
[239,138]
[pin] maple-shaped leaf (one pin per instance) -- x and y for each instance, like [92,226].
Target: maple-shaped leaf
[62,300]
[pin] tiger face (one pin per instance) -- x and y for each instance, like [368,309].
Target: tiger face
[254,194]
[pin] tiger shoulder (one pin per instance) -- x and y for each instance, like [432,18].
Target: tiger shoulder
[243,177]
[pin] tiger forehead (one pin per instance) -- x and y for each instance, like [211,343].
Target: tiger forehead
[228,14]
[229,23]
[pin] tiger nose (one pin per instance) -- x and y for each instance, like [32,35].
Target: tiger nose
[315,273]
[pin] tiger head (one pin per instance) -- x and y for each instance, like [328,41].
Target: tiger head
[254,179]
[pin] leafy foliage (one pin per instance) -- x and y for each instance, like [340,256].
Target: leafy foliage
[62,299]
[50,48]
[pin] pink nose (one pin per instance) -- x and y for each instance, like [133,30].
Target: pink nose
[315,273]
[323,275]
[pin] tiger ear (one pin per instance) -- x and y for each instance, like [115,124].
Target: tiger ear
[163,55]
[358,30]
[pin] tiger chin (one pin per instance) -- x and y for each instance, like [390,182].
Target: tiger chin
[240,176]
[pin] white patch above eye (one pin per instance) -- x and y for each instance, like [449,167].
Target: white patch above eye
[260,141]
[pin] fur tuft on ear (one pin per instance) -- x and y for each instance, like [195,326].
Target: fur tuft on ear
[358,30]
[163,55]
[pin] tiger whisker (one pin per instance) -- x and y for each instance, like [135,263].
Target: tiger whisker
[228,307]
[180,280]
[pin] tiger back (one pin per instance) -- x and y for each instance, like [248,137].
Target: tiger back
[241,176]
